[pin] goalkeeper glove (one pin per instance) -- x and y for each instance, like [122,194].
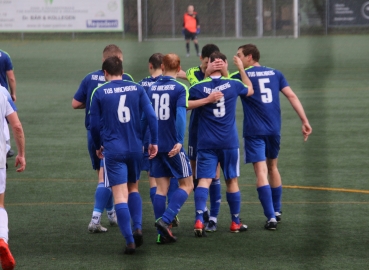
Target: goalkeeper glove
[198,31]
[183,32]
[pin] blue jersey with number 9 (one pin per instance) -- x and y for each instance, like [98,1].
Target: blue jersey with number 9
[217,121]
[262,112]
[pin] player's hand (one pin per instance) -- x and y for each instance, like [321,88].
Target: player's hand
[21,161]
[214,97]
[183,32]
[306,131]
[238,62]
[153,150]
[176,149]
[198,31]
[99,152]
[216,65]
[14,97]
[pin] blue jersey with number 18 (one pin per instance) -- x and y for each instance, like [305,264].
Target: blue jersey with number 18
[166,96]
[217,121]
[262,112]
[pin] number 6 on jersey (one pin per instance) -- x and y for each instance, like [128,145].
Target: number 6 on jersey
[124,114]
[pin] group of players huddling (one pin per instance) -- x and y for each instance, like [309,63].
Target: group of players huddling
[141,126]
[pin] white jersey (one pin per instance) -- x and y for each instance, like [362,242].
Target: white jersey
[5,110]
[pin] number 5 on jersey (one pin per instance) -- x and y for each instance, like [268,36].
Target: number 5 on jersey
[124,114]
[266,93]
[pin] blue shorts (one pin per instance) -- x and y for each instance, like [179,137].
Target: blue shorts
[259,148]
[145,161]
[164,166]
[207,162]
[121,168]
[192,149]
[92,151]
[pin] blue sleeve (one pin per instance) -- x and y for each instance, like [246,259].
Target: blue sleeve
[8,63]
[282,81]
[144,124]
[81,94]
[95,118]
[153,123]
[181,124]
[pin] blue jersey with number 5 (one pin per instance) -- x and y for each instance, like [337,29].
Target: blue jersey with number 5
[262,112]
[217,121]
[116,109]
[166,96]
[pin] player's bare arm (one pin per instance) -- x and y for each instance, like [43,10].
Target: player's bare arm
[176,149]
[77,104]
[245,79]
[182,75]
[212,98]
[12,84]
[18,134]
[297,106]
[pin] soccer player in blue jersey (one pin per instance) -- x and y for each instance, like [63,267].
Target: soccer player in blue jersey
[195,75]
[218,142]
[155,71]
[7,77]
[81,100]
[262,128]
[169,99]
[115,124]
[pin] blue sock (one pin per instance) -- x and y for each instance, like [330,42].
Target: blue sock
[234,202]
[178,199]
[215,197]
[152,194]
[159,205]
[265,197]
[201,196]
[172,188]
[102,195]
[277,198]
[135,209]
[124,221]
[110,203]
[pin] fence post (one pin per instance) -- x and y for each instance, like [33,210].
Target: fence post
[259,16]
[295,18]
[139,20]
[238,18]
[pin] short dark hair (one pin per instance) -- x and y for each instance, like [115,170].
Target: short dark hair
[217,55]
[250,49]
[156,59]
[208,49]
[111,50]
[113,66]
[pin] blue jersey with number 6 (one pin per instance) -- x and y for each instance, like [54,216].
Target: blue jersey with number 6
[262,112]
[217,121]
[116,109]
[166,96]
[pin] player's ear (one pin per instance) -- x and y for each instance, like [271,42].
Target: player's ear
[179,69]
[162,67]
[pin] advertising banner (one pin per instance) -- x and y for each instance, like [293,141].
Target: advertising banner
[61,15]
[348,12]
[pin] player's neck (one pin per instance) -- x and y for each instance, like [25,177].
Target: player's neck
[155,73]
[170,74]
[216,74]
[113,77]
